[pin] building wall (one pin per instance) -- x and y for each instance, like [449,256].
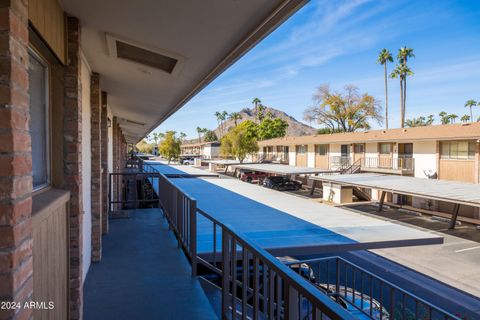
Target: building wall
[86,166]
[292,155]
[371,150]
[425,155]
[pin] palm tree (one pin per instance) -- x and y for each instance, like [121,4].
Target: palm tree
[219,116]
[182,136]
[401,72]
[224,117]
[452,117]
[199,131]
[403,54]
[444,117]
[235,116]
[465,118]
[258,107]
[383,58]
[469,104]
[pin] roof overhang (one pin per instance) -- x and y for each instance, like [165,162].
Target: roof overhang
[205,37]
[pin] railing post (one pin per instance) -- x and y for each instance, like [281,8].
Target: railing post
[225,273]
[193,236]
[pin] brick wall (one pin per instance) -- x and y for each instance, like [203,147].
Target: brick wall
[104,159]
[16,267]
[96,181]
[72,133]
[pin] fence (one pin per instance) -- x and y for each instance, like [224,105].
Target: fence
[256,285]
[363,292]
[263,287]
[389,163]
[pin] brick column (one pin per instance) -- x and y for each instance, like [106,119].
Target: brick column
[16,264]
[96,168]
[104,157]
[72,131]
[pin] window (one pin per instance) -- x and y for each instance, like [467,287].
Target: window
[457,150]
[345,150]
[359,148]
[321,149]
[385,148]
[38,77]
[302,149]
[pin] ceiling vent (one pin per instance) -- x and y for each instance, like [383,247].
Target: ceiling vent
[152,58]
[123,120]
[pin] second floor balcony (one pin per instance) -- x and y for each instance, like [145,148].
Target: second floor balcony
[383,164]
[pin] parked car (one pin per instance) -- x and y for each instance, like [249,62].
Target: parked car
[250,176]
[187,161]
[281,183]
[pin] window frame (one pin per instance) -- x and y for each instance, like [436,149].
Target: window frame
[390,145]
[317,149]
[301,147]
[448,154]
[32,52]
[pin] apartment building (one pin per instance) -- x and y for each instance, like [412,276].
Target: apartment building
[204,150]
[449,152]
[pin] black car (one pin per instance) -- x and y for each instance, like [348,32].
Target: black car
[281,183]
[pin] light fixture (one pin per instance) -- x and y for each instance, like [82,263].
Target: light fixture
[109,123]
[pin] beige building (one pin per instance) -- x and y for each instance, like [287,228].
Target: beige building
[204,150]
[449,152]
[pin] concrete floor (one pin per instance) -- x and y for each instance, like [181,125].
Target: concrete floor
[143,274]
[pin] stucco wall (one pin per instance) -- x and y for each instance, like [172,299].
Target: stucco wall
[86,167]
[425,157]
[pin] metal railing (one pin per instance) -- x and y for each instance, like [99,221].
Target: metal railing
[254,285]
[366,293]
[399,163]
[275,157]
[338,162]
[124,190]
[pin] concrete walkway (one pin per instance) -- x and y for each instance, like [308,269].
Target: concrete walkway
[143,275]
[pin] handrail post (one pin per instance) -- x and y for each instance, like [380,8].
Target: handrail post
[193,236]
[225,273]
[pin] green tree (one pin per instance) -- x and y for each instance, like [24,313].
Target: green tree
[210,136]
[420,121]
[470,104]
[444,119]
[384,57]
[240,141]
[401,72]
[155,137]
[345,111]
[182,136]
[144,147]
[465,118]
[452,117]
[271,128]
[199,131]
[170,146]
[218,115]
[235,116]
[403,54]
[259,109]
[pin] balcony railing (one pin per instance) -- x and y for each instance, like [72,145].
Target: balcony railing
[275,157]
[338,162]
[365,292]
[400,163]
[256,285]
[264,288]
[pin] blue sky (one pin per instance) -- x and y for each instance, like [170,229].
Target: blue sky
[337,42]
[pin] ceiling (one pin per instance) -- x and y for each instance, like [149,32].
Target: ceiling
[204,36]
